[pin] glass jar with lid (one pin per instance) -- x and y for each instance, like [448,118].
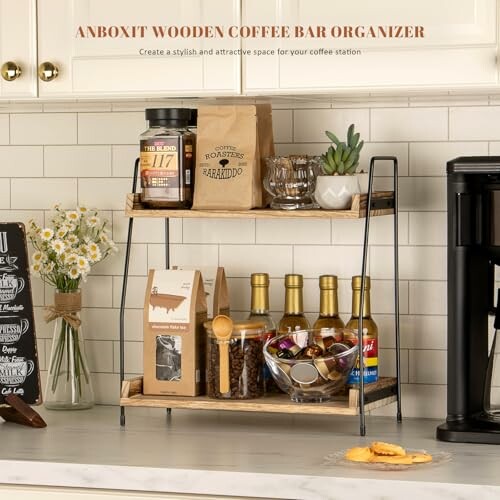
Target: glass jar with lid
[243,376]
[167,159]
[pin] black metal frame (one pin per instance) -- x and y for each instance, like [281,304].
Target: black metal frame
[371,205]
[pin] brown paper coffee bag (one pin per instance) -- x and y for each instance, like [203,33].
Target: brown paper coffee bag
[174,339]
[215,286]
[232,143]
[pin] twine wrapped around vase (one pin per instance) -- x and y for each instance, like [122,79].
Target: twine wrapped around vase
[67,305]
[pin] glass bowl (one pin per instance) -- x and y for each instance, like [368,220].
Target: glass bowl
[319,367]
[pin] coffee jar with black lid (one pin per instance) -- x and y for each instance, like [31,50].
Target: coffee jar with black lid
[167,159]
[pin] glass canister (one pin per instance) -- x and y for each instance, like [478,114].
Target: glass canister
[245,363]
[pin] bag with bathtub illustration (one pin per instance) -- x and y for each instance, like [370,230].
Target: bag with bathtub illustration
[232,142]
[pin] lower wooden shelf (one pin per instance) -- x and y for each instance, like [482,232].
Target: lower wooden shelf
[379,394]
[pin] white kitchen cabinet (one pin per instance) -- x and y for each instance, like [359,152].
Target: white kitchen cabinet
[18,46]
[459,49]
[114,66]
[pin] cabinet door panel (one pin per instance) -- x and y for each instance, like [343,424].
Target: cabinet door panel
[115,66]
[18,44]
[459,47]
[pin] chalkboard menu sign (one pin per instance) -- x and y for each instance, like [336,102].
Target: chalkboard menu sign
[19,371]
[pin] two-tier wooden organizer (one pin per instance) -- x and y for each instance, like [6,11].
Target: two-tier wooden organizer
[359,400]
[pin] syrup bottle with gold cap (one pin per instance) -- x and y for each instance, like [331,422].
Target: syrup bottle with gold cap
[328,305]
[260,312]
[370,333]
[294,318]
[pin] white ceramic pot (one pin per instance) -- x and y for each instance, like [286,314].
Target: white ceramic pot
[363,179]
[334,192]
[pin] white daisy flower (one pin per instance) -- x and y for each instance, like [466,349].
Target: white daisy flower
[61,232]
[104,238]
[74,273]
[58,246]
[38,257]
[82,263]
[47,234]
[73,215]
[82,210]
[93,221]
[92,248]
[72,259]
[95,256]
[48,267]
[35,268]
[72,239]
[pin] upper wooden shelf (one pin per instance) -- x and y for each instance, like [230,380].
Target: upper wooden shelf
[382,204]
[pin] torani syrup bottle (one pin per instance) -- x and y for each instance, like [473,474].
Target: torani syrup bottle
[328,305]
[294,318]
[370,333]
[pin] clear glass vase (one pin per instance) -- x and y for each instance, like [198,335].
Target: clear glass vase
[69,384]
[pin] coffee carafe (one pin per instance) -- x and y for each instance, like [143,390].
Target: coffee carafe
[473,252]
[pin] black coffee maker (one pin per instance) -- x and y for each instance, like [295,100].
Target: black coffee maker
[473,253]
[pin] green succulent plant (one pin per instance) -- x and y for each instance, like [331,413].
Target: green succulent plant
[342,158]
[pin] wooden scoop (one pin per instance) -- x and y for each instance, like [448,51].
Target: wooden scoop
[222,326]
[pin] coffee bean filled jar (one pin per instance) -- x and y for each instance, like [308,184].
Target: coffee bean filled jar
[243,376]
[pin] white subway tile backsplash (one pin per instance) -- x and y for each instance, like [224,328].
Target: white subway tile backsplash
[43,128]
[428,297]
[97,292]
[430,158]
[4,193]
[194,255]
[23,216]
[480,123]
[123,160]
[100,323]
[77,161]
[385,167]
[415,263]
[282,126]
[309,125]
[134,324]
[351,232]
[21,161]
[110,128]
[99,355]
[428,228]
[427,367]
[409,124]
[133,357]
[136,291]
[382,296]
[422,194]
[387,364]
[240,294]
[145,230]
[219,231]
[241,261]
[114,263]
[103,194]
[4,129]
[156,258]
[43,193]
[312,261]
[293,231]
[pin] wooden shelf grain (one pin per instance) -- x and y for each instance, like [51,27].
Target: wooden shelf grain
[378,394]
[384,199]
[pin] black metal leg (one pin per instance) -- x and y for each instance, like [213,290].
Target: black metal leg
[169,412]
[124,295]
[396,290]
[167,243]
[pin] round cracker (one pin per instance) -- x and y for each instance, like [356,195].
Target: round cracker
[361,454]
[387,449]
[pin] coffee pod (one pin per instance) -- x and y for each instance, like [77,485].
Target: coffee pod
[281,371]
[304,373]
[342,362]
[312,351]
[284,354]
[289,345]
[325,367]
[325,342]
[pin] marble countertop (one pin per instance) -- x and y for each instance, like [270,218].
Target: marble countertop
[235,454]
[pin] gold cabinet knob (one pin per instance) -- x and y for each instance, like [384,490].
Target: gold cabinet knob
[10,71]
[47,71]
